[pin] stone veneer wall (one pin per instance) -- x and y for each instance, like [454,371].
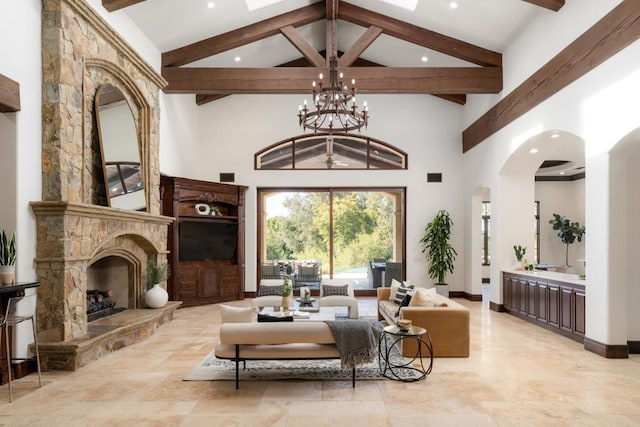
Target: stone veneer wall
[80,52]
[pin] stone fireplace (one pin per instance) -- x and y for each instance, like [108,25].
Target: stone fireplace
[81,242]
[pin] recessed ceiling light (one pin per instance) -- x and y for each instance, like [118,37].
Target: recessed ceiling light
[211,5]
[533,151]
[237,59]
[425,59]
[453,5]
[555,135]
[561,173]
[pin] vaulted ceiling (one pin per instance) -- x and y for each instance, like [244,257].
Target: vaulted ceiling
[283,47]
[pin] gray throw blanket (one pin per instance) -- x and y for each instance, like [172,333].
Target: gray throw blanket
[357,340]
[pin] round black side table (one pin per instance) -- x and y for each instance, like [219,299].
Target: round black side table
[391,370]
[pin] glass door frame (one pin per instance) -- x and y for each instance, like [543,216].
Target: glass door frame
[400,223]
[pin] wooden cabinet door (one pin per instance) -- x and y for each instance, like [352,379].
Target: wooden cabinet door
[532,299]
[185,284]
[543,302]
[554,305]
[229,281]
[210,278]
[579,314]
[506,291]
[566,309]
[523,288]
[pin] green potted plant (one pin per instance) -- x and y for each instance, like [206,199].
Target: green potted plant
[519,251]
[156,296]
[7,258]
[440,254]
[568,232]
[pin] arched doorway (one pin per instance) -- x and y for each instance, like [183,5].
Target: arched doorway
[513,203]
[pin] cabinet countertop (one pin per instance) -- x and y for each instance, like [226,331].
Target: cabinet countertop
[573,279]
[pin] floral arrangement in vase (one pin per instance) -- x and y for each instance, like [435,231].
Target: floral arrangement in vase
[286,293]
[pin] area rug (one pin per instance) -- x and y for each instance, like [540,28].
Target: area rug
[214,369]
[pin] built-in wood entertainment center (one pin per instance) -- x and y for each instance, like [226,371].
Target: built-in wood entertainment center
[206,240]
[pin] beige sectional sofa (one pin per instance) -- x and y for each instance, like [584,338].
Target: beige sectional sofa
[447,321]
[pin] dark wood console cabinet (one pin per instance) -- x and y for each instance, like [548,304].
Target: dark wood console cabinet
[207,250]
[552,304]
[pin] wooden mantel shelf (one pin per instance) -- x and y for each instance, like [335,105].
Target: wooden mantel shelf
[9,95]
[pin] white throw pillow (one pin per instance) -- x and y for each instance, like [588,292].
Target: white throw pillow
[230,314]
[395,285]
[421,298]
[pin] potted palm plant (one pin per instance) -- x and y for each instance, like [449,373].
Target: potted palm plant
[7,258]
[440,254]
[156,296]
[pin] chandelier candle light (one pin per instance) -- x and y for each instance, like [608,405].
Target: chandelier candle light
[332,110]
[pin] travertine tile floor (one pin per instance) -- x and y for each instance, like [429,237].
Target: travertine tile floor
[518,374]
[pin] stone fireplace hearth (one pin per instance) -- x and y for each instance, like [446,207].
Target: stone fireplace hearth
[76,230]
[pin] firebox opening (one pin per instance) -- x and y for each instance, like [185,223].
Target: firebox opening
[109,287]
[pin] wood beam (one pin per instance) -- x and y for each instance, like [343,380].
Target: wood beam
[113,5]
[242,36]
[302,62]
[615,31]
[9,95]
[303,46]
[224,81]
[360,46]
[204,99]
[331,9]
[554,5]
[458,99]
[331,46]
[420,36]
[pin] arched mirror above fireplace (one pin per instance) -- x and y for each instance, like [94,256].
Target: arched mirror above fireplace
[120,150]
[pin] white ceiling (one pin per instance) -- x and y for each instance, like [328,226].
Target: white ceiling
[490,24]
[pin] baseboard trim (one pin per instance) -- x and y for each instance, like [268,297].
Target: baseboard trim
[494,306]
[457,294]
[253,294]
[634,347]
[472,297]
[606,350]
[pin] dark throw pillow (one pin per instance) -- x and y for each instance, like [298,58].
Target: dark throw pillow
[269,318]
[405,302]
[401,292]
[266,290]
[329,290]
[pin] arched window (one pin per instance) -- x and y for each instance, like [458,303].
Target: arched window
[331,151]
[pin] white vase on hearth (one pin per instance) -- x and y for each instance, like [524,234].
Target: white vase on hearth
[156,297]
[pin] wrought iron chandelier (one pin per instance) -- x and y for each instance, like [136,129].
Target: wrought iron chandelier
[335,107]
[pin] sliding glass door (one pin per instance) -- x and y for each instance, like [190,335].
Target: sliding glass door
[339,231]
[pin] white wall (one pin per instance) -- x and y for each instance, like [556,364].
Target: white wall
[179,130]
[233,129]
[543,38]
[598,109]
[565,198]
[21,132]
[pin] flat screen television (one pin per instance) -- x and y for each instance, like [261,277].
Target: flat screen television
[204,241]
